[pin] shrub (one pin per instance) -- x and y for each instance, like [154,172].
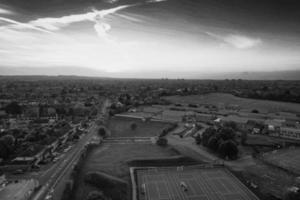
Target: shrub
[198,139]
[133,126]
[96,195]
[102,132]
[67,191]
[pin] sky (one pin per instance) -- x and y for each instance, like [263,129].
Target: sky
[157,37]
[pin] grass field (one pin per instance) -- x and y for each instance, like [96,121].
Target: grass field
[111,159]
[121,127]
[244,103]
[288,159]
[202,184]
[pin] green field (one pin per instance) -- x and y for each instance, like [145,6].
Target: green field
[244,103]
[111,159]
[121,127]
[288,159]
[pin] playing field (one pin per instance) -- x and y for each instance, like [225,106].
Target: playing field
[202,184]
[288,159]
[121,127]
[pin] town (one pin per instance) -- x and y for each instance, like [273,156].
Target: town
[62,137]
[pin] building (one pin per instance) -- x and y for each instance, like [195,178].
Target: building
[290,133]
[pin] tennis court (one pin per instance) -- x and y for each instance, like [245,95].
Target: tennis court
[202,184]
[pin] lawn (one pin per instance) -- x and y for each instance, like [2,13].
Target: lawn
[270,180]
[111,159]
[288,159]
[121,127]
[244,103]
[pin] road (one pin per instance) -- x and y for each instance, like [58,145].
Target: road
[53,179]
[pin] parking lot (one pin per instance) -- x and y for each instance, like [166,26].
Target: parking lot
[201,184]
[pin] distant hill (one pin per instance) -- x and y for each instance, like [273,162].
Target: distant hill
[88,72]
[49,71]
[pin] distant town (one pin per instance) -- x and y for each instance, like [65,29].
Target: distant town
[81,138]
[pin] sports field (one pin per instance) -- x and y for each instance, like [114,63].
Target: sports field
[288,159]
[121,127]
[202,184]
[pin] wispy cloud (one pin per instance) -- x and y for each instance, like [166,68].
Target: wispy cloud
[5,11]
[51,24]
[155,1]
[242,42]
[237,40]
[21,25]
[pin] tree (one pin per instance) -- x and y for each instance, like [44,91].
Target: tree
[133,126]
[255,111]
[228,149]
[231,125]
[207,134]
[13,108]
[4,152]
[213,143]
[226,133]
[292,193]
[102,132]
[162,141]
[244,138]
[198,139]
[9,140]
[7,144]
[96,195]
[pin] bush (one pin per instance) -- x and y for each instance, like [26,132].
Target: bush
[111,186]
[198,139]
[133,126]
[67,191]
[162,141]
[96,195]
[102,132]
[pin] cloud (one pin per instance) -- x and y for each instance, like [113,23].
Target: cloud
[111,1]
[237,40]
[155,1]
[59,22]
[51,24]
[241,42]
[5,11]
[21,25]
